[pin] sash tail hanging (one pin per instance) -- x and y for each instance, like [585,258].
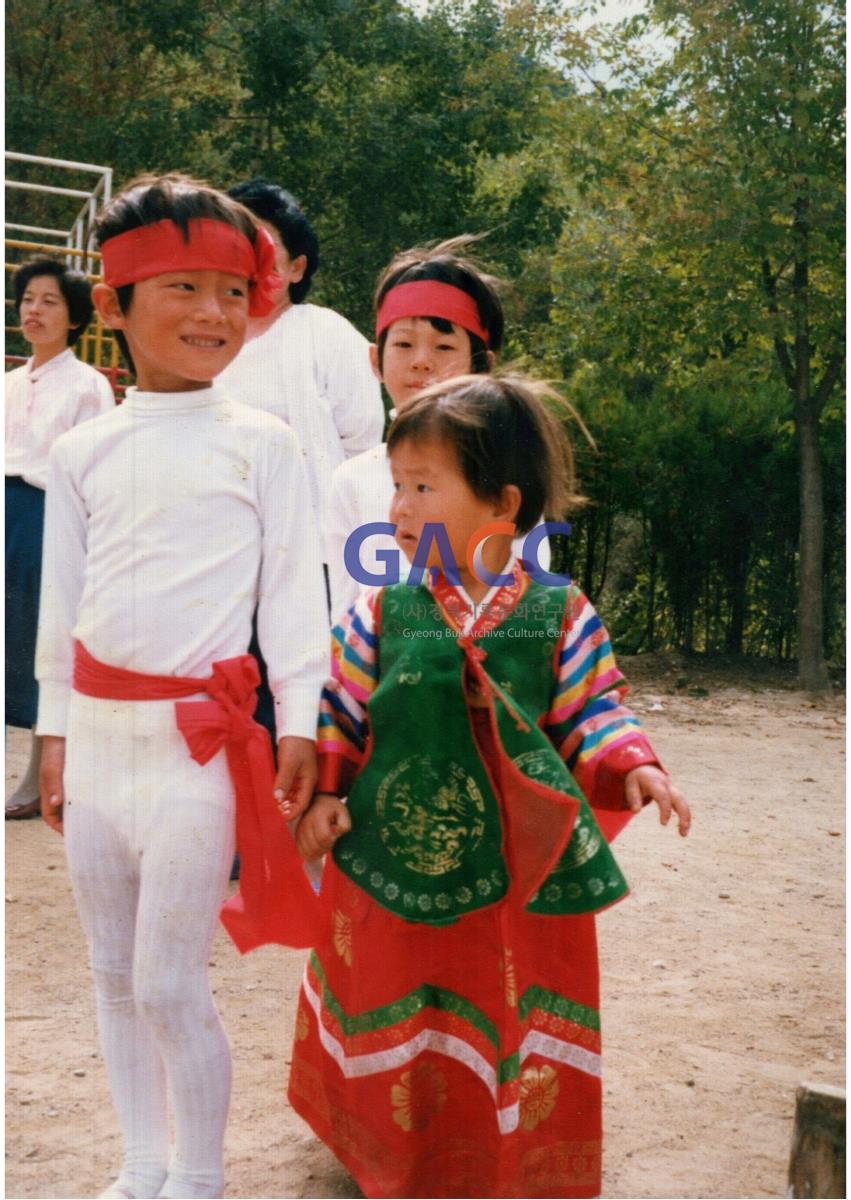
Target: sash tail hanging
[276,902]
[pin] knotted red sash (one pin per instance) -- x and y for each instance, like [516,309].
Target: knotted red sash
[275,902]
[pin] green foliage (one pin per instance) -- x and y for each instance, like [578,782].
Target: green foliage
[702,266]
[671,224]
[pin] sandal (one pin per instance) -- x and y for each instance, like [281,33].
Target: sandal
[22,812]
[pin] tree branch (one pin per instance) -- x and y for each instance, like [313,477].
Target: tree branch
[653,130]
[784,358]
[831,374]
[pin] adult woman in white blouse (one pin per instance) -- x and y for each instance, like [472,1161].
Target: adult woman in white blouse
[49,394]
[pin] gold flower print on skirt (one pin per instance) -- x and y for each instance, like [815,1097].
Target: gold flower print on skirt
[538,1094]
[418,1096]
[343,936]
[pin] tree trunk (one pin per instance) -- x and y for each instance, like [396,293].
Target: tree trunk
[812,672]
[738,600]
[651,604]
[687,645]
[607,545]
[590,548]
[796,368]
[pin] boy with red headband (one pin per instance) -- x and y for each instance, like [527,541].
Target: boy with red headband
[438,315]
[167,525]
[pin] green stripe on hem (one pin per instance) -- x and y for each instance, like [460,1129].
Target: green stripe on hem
[559,1006]
[400,1010]
[429,996]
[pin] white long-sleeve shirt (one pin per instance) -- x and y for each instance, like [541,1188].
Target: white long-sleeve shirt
[311,369]
[361,492]
[168,521]
[44,402]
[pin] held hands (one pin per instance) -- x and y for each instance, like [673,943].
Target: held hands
[652,784]
[325,821]
[50,780]
[297,774]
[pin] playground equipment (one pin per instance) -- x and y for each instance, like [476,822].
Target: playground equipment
[69,238]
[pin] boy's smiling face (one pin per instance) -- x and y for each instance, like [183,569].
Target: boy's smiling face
[183,328]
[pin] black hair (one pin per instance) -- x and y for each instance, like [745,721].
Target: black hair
[444,263]
[173,197]
[271,203]
[503,432]
[74,286]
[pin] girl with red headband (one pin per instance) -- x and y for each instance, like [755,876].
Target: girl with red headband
[438,314]
[167,526]
[475,759]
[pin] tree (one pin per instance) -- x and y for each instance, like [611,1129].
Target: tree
[774,72]
[372,112]
[712,225]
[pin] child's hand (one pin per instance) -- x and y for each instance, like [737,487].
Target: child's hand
[50,780]
[297,774]
[325,821]
[653,784]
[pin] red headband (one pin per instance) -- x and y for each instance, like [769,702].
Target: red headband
[429,298]
[213,245]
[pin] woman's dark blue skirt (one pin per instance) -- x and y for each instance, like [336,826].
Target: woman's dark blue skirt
[24,532]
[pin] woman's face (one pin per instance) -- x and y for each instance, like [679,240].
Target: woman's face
[44,314]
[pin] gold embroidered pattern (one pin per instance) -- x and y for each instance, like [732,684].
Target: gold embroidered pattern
[418,1096]
[509,978]
[584,844]
[560,1165]
[586,840]
[429,820]
[539,765]
[302,1024]
[343,936]
[538,1093]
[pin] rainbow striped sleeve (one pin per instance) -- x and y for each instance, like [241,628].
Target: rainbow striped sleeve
[587,720]
[342,730]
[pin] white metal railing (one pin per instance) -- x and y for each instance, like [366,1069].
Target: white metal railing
[76,235]
[71,241]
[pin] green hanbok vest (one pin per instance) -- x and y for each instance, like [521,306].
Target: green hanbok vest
[437,830]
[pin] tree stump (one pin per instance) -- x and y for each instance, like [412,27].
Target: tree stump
[817,1161]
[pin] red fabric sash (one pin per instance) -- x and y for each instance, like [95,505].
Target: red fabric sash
[275,902]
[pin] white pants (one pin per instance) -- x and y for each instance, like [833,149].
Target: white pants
[150,841]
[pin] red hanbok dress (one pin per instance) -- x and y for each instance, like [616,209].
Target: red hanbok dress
[459,1055]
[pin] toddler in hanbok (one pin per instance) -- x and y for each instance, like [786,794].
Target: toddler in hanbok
[475,760]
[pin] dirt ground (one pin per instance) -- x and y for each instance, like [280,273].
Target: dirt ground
[723,973]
